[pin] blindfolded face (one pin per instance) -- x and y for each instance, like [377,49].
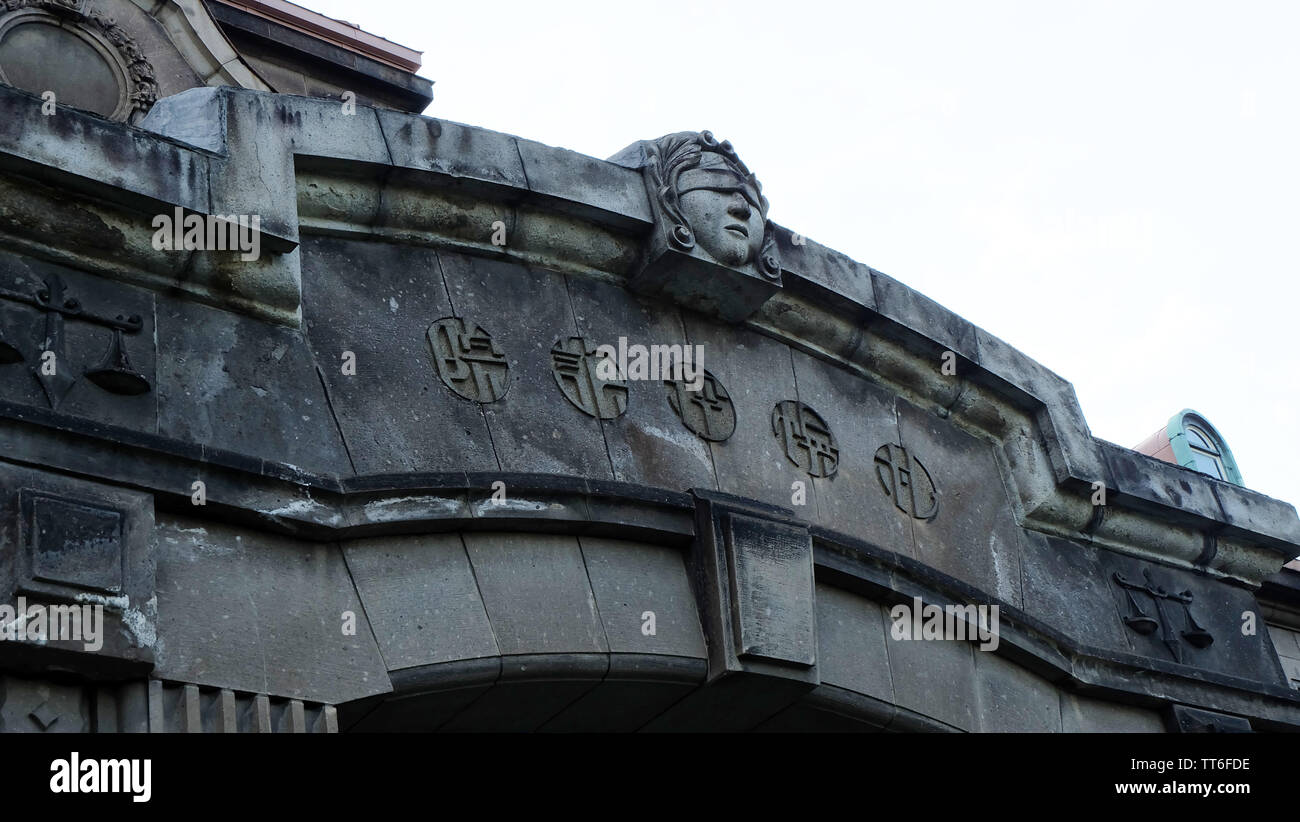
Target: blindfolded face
[723,210]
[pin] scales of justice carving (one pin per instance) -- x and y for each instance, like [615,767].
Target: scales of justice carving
[905,481]
[114,372]
[468,361]
[806,438]
[1167,605]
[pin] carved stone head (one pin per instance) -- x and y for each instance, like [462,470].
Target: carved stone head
[713,248]
[712,198]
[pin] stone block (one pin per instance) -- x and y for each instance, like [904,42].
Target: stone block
[254,612]
[396,412]
[1013,700]
[972,534]
[757,373]
[1081,714]
[1066,588]
[536,593]
[1191,620]
[534,428]
[649,445]
[461,152]
[631,579]
[585,186]
[421,599]
[851,643]
[935,678]
[862,419]
[236,384]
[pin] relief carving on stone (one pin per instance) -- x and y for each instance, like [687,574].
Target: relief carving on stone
[468,361]
[1164,610]
[708,412]
[713,248]
[906,481]
[573,364]
[806,438]
[137,81]
[114,372]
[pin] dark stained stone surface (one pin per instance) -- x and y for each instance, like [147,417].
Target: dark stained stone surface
[533,428]
[421,598]
[378,300]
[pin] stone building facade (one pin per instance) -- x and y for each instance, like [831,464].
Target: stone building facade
[370,468]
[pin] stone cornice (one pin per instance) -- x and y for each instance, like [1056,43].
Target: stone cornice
[306,166]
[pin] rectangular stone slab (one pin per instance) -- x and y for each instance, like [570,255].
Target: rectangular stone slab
[421,598]
[536,593]
[862,418]
[378,300]
[648,444]
[254,612]
[534,427]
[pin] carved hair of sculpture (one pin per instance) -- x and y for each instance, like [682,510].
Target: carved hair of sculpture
[709,197]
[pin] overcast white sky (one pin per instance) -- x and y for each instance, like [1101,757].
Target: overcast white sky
[1112,188]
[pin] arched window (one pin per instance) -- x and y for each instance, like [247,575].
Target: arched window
[1198,446]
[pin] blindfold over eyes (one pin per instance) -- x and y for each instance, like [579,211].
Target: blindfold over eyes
[721,180]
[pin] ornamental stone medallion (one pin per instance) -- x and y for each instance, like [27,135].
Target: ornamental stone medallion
[468,361]
[905,481]
[83,56]
[573,363]
[708,412]
[806,438]
[713,248]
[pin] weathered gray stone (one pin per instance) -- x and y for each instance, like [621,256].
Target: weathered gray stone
[586,186]
[973,535]
[637,689]
[33,706]
[534,428]
[1083,610]
[825,275]
[851,643]
[917,313]
[79,343]
[421,599]
[1081,714]
[1175,493]
[279,631]
[935,678]
[394,411]
[458,151]
[712,248]
[536,593]
[531,690]
[862,418]
[630,579]
[1214,609]
[650,446]
[1013,700]
[70,542]
[229,382]
[758,374]
[1250,513]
